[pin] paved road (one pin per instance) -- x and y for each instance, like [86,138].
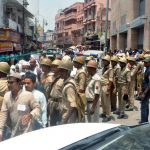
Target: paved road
[133,116]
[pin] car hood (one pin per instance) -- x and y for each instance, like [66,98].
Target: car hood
[54,138]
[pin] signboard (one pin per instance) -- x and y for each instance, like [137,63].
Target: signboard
[6,46]
[3,35]
[8,35]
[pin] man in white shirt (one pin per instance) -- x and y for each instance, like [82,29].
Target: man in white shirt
[29,82]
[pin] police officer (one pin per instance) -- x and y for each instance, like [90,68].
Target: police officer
[134,69]
[124,79]
[4,70]
[93,92]
[145,93]
[70,111]
[45,65]
[55,93]
[80,76]
[115,67]
[140,75]
[106,84]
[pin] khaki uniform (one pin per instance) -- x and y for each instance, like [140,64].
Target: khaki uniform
[93,88]
[80,79]
[15,109]
[140,76]
[55,99]
[132,86]
[69,101]
[45,80]
[107,77]
[3,89]
[123,79]
[114,88]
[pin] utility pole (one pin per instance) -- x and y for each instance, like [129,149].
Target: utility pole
[25,4]
[106,26]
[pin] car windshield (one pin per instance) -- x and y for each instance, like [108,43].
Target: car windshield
[119,138]
[134,139]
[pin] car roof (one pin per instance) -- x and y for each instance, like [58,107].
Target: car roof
[54,138]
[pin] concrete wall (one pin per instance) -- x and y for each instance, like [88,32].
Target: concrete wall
[1,13]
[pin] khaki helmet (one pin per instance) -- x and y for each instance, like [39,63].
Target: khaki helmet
[123,60]
[146,55]
[56,62]
[67,65]
[4,67]
[46,62]
[131,59]
[92,64]
[89,58]
[141,56]
[114,58]
[107,58]
[79,59]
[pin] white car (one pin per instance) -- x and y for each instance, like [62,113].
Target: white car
[83,136]
[54,138]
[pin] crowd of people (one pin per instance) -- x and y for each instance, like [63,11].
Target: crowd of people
[35,94]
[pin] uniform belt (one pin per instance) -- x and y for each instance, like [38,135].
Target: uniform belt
[55,99]
[89,102]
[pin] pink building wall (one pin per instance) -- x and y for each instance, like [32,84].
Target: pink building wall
[69,25]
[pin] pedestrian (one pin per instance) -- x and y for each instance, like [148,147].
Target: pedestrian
[93,92]
[55,94]
[44,80]
[80,77]
[106,84]
[145,92]
[19,107]
[124,79]
[133,69]
[114,88]
[4,71]
[70,111]
[29,82]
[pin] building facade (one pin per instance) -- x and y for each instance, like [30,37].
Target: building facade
[130,24]
[12,25]
[69,26]
[94,22]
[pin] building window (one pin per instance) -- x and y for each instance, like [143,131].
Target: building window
[123,20]
[114,25]
[141,7]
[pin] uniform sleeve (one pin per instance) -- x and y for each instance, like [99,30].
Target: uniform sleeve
[133,72]
[3,115]
[44,110]
[111,75]
[97,87]
[82,81]
[35,107]
[128,75]
[71,96]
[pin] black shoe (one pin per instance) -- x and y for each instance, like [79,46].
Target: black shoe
[131,108]
[116,112]
[102,115]
[113,109]
[122,116]
[106,119]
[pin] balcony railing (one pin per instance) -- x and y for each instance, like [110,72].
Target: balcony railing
[71,26]
[71,16]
